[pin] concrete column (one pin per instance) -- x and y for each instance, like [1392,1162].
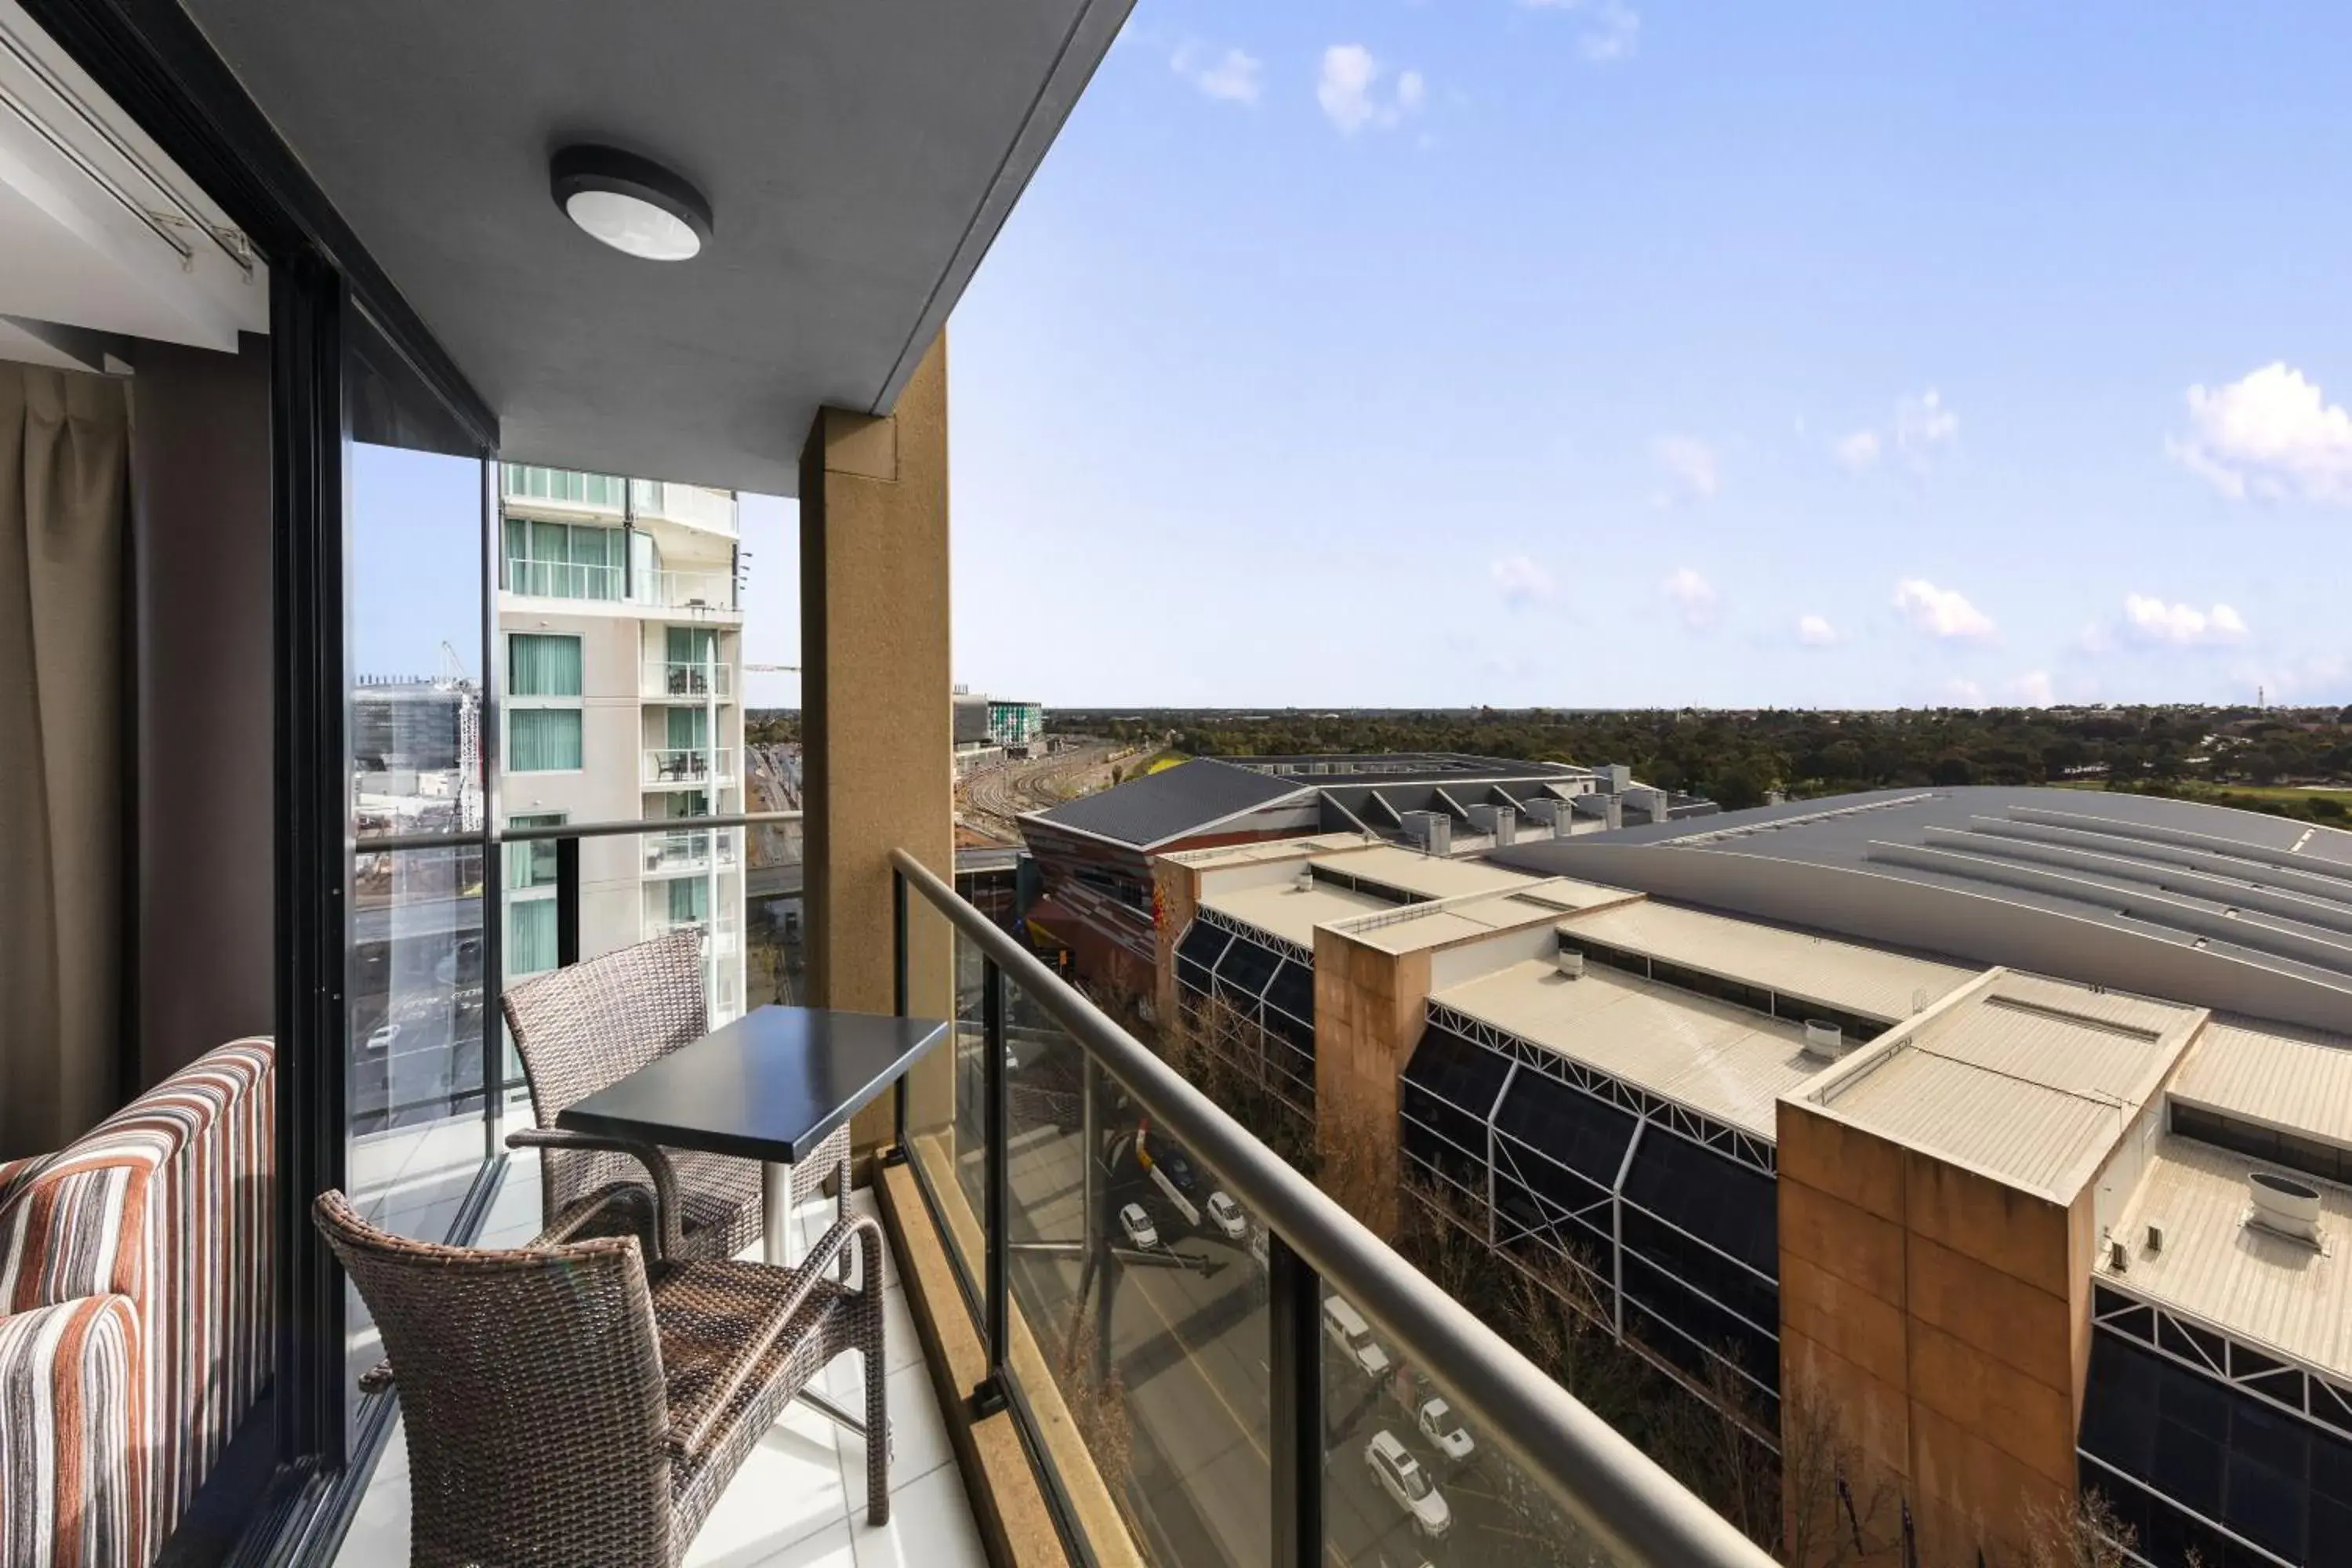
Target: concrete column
[1369,1008]
[875,686]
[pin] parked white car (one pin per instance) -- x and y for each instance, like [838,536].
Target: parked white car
[1347,1329]
[384,1037]
[1401,1477]
[1444,1429]
[1141,1234]
[1227,1216]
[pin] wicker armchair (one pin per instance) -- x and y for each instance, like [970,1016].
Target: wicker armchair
[569,1405]
[581,1028]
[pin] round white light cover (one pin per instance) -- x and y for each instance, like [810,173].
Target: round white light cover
[627,224]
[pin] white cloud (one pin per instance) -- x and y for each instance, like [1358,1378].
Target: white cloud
[1694,595]
[1611,29]
[2150,620]
[1349,88]
[1941,612]
[2033,688]
[1234,76]
[2271,434]
[1520,581]
[1815,631]
[1923,423]
[1859,451]
[1692,464]
[1961,692]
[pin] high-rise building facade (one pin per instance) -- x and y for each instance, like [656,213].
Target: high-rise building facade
[621,661]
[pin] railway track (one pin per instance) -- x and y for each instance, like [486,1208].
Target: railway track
[991,801]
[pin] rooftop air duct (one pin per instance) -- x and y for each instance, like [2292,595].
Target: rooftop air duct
[1823,1042]
[2286,1205]
[1571,963]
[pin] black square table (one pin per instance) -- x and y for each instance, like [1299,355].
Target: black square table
[771,1086]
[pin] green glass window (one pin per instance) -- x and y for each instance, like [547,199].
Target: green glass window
[690,898]
[532,864]
[692,645]
[542,666]
[530,937]
[688,729]
[542,740]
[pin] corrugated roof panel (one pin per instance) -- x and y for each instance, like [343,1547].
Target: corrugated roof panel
[2288,1079]
[1431,876]
[1722,1061]
[2029,1133]
[1286,911]
[1842,974]
[2261,1288]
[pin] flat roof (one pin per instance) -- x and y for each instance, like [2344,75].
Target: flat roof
[2265,1288]
[1259,851]
[1725,1062]
[1840,974]
[1280,909]
[1411,928]
[2295,1080]
[2028,1080]
[1429,876]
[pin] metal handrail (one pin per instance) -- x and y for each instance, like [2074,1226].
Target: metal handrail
[385,842]
[1613,1489]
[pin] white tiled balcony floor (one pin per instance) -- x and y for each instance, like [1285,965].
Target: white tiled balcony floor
[799,1502]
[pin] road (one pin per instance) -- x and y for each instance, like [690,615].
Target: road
[1188,1334]
[990,801]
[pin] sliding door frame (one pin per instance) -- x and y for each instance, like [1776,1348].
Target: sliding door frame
[150,57]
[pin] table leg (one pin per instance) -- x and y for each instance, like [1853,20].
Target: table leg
[777,1246]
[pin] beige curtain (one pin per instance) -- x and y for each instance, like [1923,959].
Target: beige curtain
[63,485]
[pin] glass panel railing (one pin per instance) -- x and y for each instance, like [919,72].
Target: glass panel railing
[683,765]
[668,678]
[1213,1359]
[564,580]
[946,1128]
[1138,1309]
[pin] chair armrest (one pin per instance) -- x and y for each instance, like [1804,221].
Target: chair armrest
[668,1234]
[66,1369]
[692,1425]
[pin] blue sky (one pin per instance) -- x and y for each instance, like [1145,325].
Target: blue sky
[1612,353]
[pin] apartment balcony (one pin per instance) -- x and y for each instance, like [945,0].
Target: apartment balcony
[723,939]
[562,493]
[697,595]
[691,850]
[690,506]
[564,580]
[671,767]
[668,681]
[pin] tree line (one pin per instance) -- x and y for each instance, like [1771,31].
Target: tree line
[2253,757]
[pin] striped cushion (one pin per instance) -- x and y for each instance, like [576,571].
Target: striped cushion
[166,1203]
[69,1424]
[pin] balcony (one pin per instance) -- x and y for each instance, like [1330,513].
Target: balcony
[801,1496]
[668,680]
[711,511]
[700,594]
[683,850]
[562,490]
[564,580]
[672,767]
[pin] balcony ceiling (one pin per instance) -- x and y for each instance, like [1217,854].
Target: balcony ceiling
[859,156]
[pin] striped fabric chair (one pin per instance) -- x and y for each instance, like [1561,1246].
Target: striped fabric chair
[135,1312]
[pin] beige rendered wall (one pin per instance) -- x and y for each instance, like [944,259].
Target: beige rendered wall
[1930,1312]
[1369,1010]
[875,693]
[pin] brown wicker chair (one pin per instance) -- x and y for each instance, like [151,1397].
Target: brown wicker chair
[567,1404]
[581,1028]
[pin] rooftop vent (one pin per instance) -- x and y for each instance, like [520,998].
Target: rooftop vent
[2286,1205]
[1823,1042]
[1571,963]
[2156,1236]
[2118,1255]
[1305,880]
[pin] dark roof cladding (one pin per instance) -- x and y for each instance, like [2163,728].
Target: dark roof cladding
[1169,803]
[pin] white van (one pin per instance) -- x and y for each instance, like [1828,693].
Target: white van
[1348,1330]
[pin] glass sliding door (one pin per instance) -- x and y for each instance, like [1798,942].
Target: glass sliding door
[423,946]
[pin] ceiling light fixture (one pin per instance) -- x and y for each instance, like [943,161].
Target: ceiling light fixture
[632,204]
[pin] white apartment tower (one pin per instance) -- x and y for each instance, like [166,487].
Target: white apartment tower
[620,680]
